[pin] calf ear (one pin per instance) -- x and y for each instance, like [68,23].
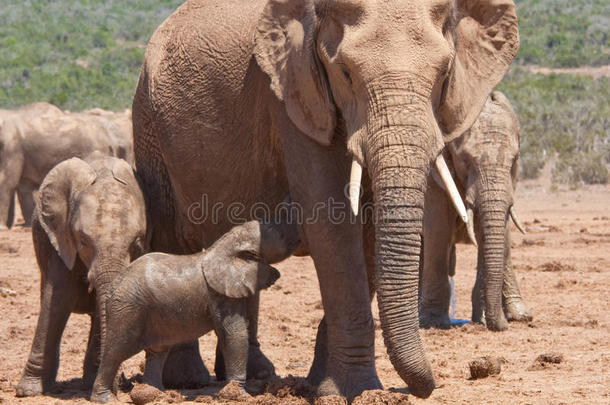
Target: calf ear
[56,201]
[123,172]
[237,276]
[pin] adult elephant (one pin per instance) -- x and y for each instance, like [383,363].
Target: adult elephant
[36,137]
[484,160]
[245,101]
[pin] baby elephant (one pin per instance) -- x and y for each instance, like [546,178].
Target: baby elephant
[163,300]
[88,224]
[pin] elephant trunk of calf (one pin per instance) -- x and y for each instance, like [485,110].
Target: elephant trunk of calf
[492,208]
[399,157]
[102,273]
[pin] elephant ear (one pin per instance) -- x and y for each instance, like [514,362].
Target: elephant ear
[487,40]
[285,50]
[123,172]
[233,266]
[55,202]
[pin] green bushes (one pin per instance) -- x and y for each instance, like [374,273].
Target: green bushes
[564,33]
[76,54]
[563,115]
[81,54]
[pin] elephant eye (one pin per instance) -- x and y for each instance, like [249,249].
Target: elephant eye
[346,74]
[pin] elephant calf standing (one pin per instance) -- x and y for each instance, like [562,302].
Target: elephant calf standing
[89,223]
[167,299]
[36,137]
[485,161]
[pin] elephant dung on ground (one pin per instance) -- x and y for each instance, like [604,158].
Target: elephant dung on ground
[484,161]
[242,102]
[88,224]
[36,137]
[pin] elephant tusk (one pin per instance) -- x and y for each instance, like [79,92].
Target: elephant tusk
[355,178]
[451,188]
[515,218]
[470,228]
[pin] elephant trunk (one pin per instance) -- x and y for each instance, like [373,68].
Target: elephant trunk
[103,272]
[492,207]
[399,157]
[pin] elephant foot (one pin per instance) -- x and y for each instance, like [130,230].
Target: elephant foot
[184,368]
[30,386]
[434,319]
[496,325]
[516,311]
[102,397]
[349,383]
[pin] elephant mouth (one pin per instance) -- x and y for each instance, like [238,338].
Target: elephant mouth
[445,179]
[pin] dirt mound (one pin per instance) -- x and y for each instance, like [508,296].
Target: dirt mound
[290,386]
[233,392]
[556,266]
[484,367]
[143,393]
[380,397]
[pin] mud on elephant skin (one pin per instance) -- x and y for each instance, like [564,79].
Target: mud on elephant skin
[36,137]
[281,99]
[88,224]
[167,299]
[484,161]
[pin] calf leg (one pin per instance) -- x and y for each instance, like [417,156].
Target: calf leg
[59,293]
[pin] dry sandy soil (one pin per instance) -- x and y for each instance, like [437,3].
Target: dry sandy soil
[563,264]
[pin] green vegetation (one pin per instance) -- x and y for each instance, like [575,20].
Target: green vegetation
[81,54]
[564,33]
[76,54]
[567,115]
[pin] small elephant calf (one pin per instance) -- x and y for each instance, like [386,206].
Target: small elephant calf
[163,300]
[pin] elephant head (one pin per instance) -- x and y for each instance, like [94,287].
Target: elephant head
[389,77]
[486,163]
[236,265]
[94,212]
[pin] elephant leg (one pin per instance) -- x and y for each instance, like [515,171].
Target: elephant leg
[317,371]
[317,177]
[439,231]
[153,372]
[92,356]
[232,332]
[7,208]
[122,339]
[184,367]
[58,298]
[515,307]
[318,368]
[259,366]
[25,193]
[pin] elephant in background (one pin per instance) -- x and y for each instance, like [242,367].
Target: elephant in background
[125,136]
[88,224]
[247,101]
[484,161]
[36,137]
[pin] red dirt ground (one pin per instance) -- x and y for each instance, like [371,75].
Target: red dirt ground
[563,264]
